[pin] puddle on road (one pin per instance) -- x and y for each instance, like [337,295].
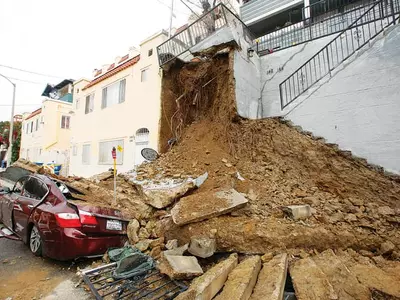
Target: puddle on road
[34,282]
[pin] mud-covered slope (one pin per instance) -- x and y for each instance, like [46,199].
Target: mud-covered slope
[355,206]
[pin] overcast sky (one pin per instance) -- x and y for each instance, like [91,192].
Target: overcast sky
[68,39]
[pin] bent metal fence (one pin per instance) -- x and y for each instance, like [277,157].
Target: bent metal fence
[365,28]
[208,24]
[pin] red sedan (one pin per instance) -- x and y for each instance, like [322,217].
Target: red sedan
[41,211]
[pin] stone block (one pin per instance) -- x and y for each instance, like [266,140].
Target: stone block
[271,280]
[202,246]
[298,212]
[206,205]
[241,280]
[209,284]
[132,231]
[180,267]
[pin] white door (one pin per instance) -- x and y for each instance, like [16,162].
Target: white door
[141,142]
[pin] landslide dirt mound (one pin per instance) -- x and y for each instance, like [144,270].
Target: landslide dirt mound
[354,206]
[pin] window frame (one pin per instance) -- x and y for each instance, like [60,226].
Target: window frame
[120,155]
[89,106]
[142,72]
[83,152]
[65,117]
[121,93]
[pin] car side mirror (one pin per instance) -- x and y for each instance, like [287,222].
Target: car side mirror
[5,190]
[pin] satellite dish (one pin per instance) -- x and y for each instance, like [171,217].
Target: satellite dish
[149,154]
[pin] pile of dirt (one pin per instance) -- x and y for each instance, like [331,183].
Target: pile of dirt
[274,165]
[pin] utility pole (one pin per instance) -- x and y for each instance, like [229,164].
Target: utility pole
[170,18]
[10,137]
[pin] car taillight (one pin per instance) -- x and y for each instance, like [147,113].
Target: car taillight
[68,220]
[87,218]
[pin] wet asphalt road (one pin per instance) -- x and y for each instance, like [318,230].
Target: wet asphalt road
[25,276]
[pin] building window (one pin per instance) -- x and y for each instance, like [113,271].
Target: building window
[150,53]
[113,94]
[105,148]
[89,105]
[31,126]
[37,124]
[74,150]
[77,104]
[86,154]
[144,75]
[27,128]
[65,122]
[77,91]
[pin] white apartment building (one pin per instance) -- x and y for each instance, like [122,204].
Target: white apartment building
[120,106]
[45,133]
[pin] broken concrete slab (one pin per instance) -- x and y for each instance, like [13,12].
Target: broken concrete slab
[241,280]
[208,285]
[180,267]
[165,193]
[206,205]
[202,246]
[271,279]
[310,282]
[298,212]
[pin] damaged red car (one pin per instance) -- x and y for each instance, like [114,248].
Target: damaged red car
[45,214]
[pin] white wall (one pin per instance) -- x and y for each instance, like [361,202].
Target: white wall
[359,107]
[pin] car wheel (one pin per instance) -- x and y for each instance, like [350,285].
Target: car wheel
[35,242]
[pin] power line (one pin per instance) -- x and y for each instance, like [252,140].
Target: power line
[27,81]
[175,10]
[31,72]
[20,105]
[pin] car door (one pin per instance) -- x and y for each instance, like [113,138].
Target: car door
[34,191]
[8,201]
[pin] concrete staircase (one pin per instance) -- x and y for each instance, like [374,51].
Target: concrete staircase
[326,275]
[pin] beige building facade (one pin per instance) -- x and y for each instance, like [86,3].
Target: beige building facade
[45,134]
[120,106]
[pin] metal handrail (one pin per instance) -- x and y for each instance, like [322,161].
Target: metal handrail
[198,31]
[333,54]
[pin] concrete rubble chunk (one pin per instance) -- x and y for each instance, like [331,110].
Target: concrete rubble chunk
[298,212]
[271,279]
[177,251]
[161,196]
[132,231]
[183,267]
[202,206]
[310,282]
[241,280]
[171,244]
[209,284]
[202,246]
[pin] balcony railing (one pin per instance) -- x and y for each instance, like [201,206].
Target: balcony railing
[313,27]
[359,33]
[207,25]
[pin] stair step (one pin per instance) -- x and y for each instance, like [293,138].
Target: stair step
[309,282]
[271,280]
[241,280]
